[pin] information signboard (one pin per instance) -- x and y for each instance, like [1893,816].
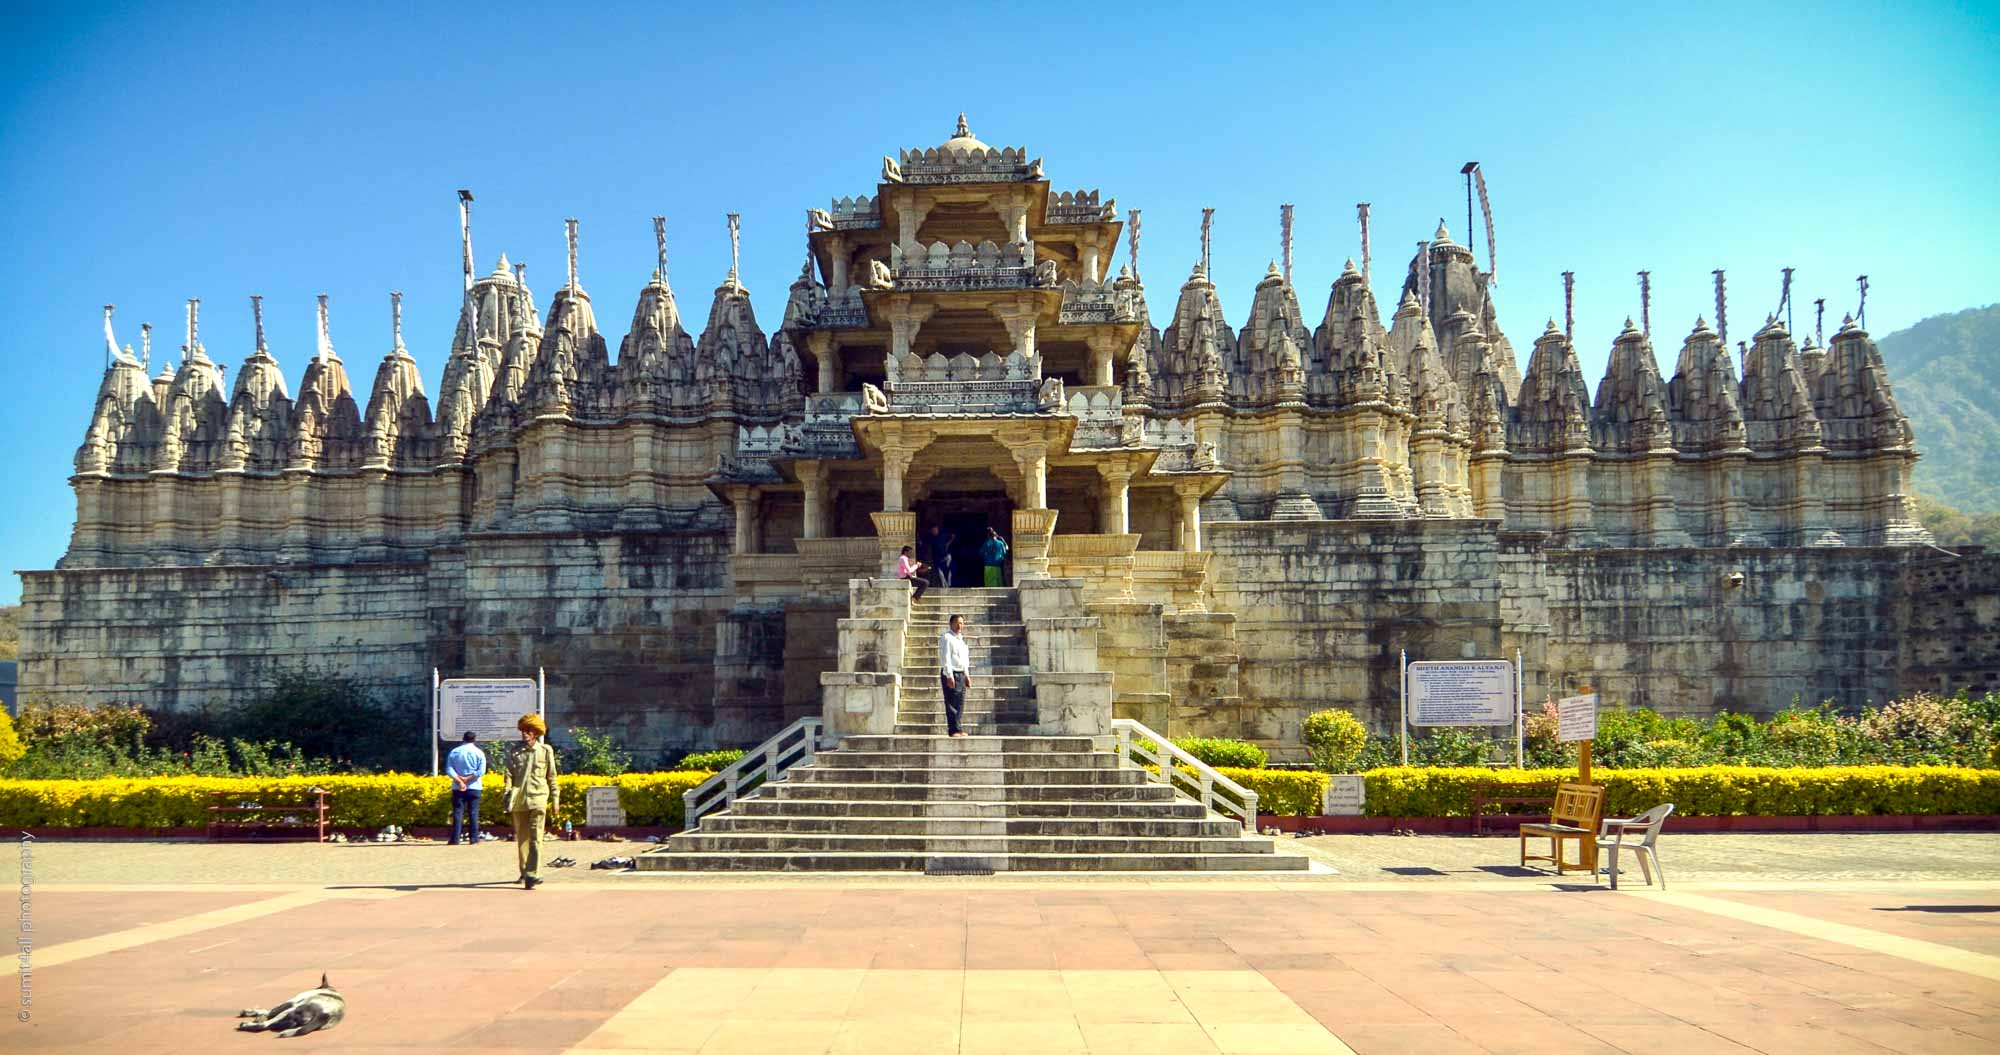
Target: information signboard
[601,808]
[1462,692]
[1346,796]
[486,706]
[1576,718]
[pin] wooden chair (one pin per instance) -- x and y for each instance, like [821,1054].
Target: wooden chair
[1574,818]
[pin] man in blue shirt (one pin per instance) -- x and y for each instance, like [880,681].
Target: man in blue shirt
[467,766]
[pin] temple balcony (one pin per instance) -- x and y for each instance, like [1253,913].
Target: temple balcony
[1101,423]
[941,266]
[862,213]
[1088,304]
[1079,207]
[973,163]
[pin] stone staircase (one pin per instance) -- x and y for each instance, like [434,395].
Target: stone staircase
[999,799]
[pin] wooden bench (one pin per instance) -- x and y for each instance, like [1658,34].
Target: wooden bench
[1574,818]
[236,817]
[1541,797]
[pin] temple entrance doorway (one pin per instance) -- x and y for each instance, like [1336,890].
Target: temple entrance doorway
[963,518]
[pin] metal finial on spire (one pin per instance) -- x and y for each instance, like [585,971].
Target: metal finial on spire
[110,342]
[1861,313]
[1646,303]
[736,239]
[465,234]
[396,315]
[146,345]
[1819,321]
[1285,237]
[1785,298]
[1207,221]
[1361,208]
[1132,242]
[1569,307]
[660,244]
[194,327]
[569,233]
[962,131]
[257,315]
[324,349]
[1721,308]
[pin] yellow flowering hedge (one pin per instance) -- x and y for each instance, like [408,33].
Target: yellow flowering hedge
[1287,792]
[1709,791]
[402,799]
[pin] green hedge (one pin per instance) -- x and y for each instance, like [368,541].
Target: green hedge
[1288,792]
[1709,791]
[355,801]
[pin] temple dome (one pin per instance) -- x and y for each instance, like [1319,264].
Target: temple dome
[963,139]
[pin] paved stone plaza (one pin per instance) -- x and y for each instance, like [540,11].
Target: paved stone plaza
[1771,943]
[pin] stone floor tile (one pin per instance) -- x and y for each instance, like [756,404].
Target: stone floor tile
[799,1037]
[1668,1038]
[1020,1038]
[1147,1038]
[1273,1038]
[1407,1038]
[894,1037]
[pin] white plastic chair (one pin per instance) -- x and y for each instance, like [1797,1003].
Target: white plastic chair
[1647,827]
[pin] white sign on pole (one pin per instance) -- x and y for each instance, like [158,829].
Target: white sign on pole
[1346,796]
[601,809]
[1462,692]
[1576,718]
[486,706]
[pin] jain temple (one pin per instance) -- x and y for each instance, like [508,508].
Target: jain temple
[1216,526]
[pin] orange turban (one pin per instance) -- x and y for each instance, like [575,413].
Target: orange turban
[534,723]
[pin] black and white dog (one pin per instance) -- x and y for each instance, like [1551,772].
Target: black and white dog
[314,1009]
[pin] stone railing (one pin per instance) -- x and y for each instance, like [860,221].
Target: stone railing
[935,165]
[1187,775]
[964,367]
[1084,304]
[916,266]
[764,764]
[861,212]
[826,431]
[764,440]
[1080,207]
[1180,451]
[840,313]
[1028,396]
[1099,411]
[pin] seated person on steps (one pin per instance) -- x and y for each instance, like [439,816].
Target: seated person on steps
[913,571]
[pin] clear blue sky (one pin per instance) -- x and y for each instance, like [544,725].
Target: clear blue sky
[149,153]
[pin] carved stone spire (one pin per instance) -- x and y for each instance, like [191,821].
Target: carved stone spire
[1703,399]
[1776,405]
[398,420]
[1270,354]
[260,410]
[1631,411]
[1195,346]
[656,359]
[1553,414]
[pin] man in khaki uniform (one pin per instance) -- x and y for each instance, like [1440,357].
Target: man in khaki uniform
[532,795]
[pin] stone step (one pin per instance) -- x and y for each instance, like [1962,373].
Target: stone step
[942,760]
[1046,827]
[973,745]
[963,792]
[689,861]
[922,775]
[1176,809]
[970,726]
[700,839]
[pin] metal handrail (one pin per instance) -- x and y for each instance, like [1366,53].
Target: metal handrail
[1203,783]
[763,764]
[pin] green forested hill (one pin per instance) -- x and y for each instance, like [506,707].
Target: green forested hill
[1945,372]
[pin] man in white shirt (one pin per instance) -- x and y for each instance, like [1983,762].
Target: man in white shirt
[954,672]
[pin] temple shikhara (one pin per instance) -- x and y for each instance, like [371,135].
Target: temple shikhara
[1215,528]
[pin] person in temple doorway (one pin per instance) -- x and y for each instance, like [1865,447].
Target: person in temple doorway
[993,554]
[954,673]
[937,553]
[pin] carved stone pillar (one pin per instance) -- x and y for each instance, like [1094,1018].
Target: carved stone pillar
[744,501]
[895,462]
[1013,216]
[1032,531]
[1090,261]
[1114,507]
[1187,526]
[894,531]
[905,319]
[814,481]
[910,218]
[828,357]
[1032,458]
[837,248]
[1020,323]
[1102,350]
